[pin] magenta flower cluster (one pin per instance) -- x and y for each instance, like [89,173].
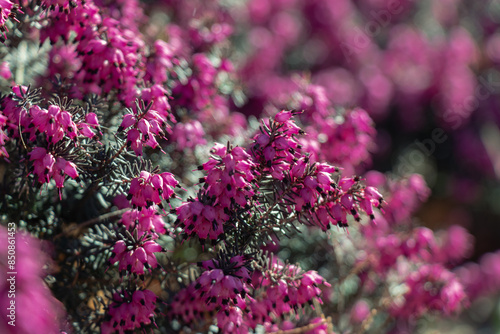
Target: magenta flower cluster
[123,315]
[246,298]
[148,189]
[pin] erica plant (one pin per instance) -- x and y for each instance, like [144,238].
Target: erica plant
[161,173]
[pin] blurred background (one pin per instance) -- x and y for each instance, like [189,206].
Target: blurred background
[426,72]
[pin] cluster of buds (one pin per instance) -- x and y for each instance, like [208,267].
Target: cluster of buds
[56,123]
[201,218]
[349,197]
[245,298]
[135,255]
[230,173]
[23,114]
[46,167]
[143,224]
[53,137]
[310,182]
[229,183]
[275,147]
[222,287]
[148,189]
[129,311]
[282,290]
[109,53]
[64,17]
[224,279]
[147,123]
[315,193]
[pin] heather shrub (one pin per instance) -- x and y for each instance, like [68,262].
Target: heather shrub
[225,166]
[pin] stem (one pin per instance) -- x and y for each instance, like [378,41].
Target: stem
[91,222]
[115,155]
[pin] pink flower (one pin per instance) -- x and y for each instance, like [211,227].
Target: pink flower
[275,147]
[56,123]
[229,176]
[295,289]
[231,320]
[201,218]
[148,123]
[188,305]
